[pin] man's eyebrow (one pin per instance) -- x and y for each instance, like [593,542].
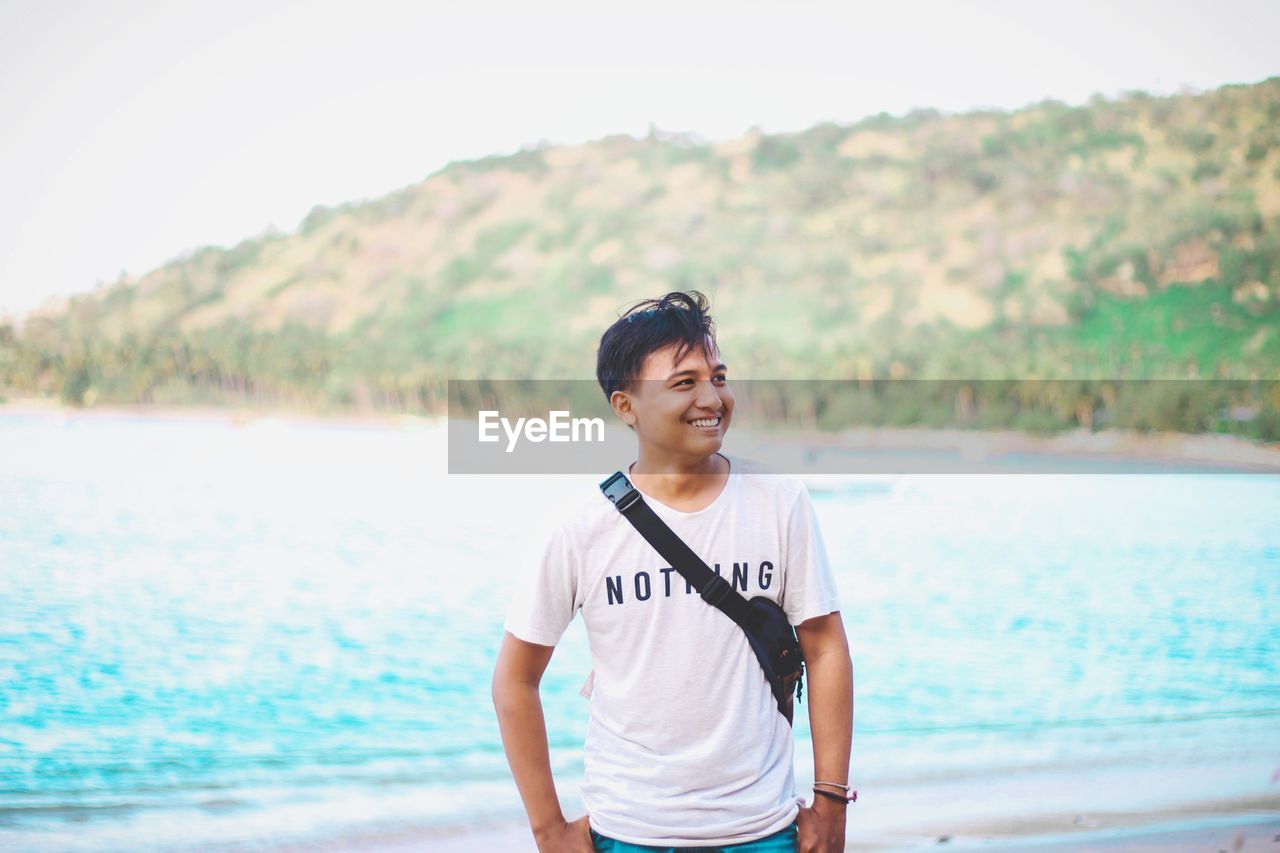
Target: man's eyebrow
[719,368]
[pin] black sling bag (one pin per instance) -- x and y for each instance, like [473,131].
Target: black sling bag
[770,634]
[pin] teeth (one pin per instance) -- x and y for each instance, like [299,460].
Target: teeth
[706,422]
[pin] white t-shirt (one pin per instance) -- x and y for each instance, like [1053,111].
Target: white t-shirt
[685,745]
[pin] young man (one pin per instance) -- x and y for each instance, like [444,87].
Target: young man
[685,745]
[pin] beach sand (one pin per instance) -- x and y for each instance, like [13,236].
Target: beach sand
[1241,825]
[1245,824]
[1208,835]
[497,838]
[1229,836]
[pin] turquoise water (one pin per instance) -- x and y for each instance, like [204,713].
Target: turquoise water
[218,633]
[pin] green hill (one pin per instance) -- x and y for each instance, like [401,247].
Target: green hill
[1134,238]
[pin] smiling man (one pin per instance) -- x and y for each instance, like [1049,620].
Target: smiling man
[685,747]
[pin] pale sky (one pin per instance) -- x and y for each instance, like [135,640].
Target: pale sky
[135,131]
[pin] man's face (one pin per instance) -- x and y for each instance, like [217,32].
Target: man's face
[683,409]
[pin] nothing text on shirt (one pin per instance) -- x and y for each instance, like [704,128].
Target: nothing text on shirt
[644,586]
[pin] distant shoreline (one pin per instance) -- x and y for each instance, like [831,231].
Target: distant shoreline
[235,415]
[976,450]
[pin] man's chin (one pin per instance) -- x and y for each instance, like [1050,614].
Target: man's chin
[708,444]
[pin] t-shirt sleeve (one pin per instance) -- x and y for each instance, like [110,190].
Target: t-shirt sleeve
[545,599]
[810,587]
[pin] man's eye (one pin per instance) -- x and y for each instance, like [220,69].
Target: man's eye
[722,378]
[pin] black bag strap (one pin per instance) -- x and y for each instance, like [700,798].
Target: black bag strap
[714,589]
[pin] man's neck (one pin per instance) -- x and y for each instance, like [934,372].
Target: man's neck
[674,481]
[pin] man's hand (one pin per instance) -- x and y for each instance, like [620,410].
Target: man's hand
[516,677]
[566,837]
[820,829]
[829,672]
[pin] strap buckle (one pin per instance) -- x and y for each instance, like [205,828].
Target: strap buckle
[717,591]
[619,491]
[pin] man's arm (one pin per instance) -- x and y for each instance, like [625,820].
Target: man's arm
[830,688]
[524,737]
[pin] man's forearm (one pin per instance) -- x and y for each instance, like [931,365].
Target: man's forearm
[830,683]
[524,737]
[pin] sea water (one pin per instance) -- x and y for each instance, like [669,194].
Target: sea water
[275,632]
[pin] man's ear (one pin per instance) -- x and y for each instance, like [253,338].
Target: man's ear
[621,402]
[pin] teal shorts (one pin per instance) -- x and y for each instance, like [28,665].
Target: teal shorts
[782,841]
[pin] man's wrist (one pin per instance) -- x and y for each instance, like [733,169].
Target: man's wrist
[546,827]
[829,809]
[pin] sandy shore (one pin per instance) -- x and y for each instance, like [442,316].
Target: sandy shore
[1252,828]
[1228,836]
[1103,811]
[1249,825]
[234,415]
[1210,828]
[497,838]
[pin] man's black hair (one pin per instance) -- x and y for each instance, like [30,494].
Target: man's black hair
[648,326]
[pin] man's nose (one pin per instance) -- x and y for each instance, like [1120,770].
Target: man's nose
[708,397]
